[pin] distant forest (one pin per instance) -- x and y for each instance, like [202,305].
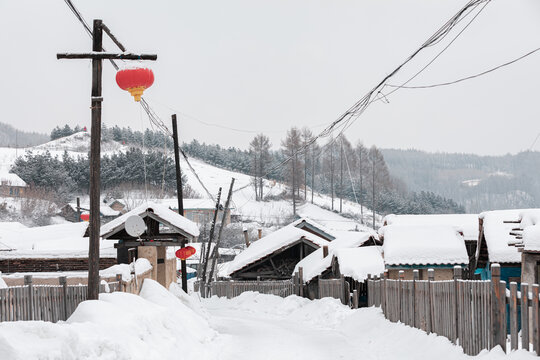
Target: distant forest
[11,137]
[480,183]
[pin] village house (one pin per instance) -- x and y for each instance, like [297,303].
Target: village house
[494,245]
[274,256]
[200,211]
[69,212]
[11,185]
[466,224]
[318,265]
[422,247]
[53,248]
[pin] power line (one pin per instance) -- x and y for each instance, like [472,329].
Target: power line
[468,77]
[152,116]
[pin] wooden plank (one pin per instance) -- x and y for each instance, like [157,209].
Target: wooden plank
[534,303]
[513,316]
[524,316]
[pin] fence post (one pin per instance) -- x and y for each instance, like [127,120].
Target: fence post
[535,314]
[498,308]
[525,316]
[383,292]
[431,278]
[343,290]
[355,299]
[119,280]
[400,293]
[63,282]
[301,281]
[28,282]
[458,275]
[416,277]
[513,316]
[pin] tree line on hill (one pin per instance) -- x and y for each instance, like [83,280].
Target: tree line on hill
[67,175]
[336,168]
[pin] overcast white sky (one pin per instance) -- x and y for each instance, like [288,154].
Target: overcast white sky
[267,65]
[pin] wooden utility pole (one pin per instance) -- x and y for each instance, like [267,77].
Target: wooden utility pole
[332,172]
[341,176]
[294,182]
[221,226]
[312,171]
[78,210]
[211,238]
[183,266]
[373,185]
[97,55]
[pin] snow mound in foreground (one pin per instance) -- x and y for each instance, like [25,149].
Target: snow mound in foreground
[153,325]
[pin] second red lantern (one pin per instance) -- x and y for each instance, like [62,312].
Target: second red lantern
[186,252]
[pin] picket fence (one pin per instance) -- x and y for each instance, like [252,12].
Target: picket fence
[471,313]
[46,302]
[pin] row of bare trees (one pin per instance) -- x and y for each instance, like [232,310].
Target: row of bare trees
[336,168]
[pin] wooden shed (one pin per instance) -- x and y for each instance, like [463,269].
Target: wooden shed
[493,245]
[422,247]
[164,228]
[274,256]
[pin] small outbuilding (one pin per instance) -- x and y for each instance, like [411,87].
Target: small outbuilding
[164,228]
[422,247]
[274,256]
[466,224]
[495,244]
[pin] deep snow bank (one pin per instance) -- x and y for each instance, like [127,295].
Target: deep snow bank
[154,325]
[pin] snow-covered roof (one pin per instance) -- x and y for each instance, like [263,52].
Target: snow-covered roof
[11,179]
[315,264]
[465,223]
[497,235]
[531,238]
[169,217]
[423,245]
[63,240]
[360,262]
[529,217]
[314,226]
[271,243]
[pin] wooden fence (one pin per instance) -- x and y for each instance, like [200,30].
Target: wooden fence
[46,302]
[232,289]
[335,288]
[471,313]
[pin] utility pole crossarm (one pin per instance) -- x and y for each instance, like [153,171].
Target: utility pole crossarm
[106,56]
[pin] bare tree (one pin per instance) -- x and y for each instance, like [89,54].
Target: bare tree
[294,171]
[259,149]
[307,137]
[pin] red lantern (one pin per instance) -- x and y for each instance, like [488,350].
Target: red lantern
[85,217]
[186,252]
[135,81]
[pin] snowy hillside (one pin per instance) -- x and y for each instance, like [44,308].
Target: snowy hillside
[265,213]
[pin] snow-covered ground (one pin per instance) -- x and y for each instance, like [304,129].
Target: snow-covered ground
[161,324]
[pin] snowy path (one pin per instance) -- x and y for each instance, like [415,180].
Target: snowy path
[251,336]
[255,326]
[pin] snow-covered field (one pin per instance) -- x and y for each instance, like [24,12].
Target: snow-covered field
[161,324]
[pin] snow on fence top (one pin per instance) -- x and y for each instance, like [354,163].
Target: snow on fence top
[497,235]
[315,264]
[170,217]
[360,262]
[53,241]
[423,245]
[465,223]
[271,243]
